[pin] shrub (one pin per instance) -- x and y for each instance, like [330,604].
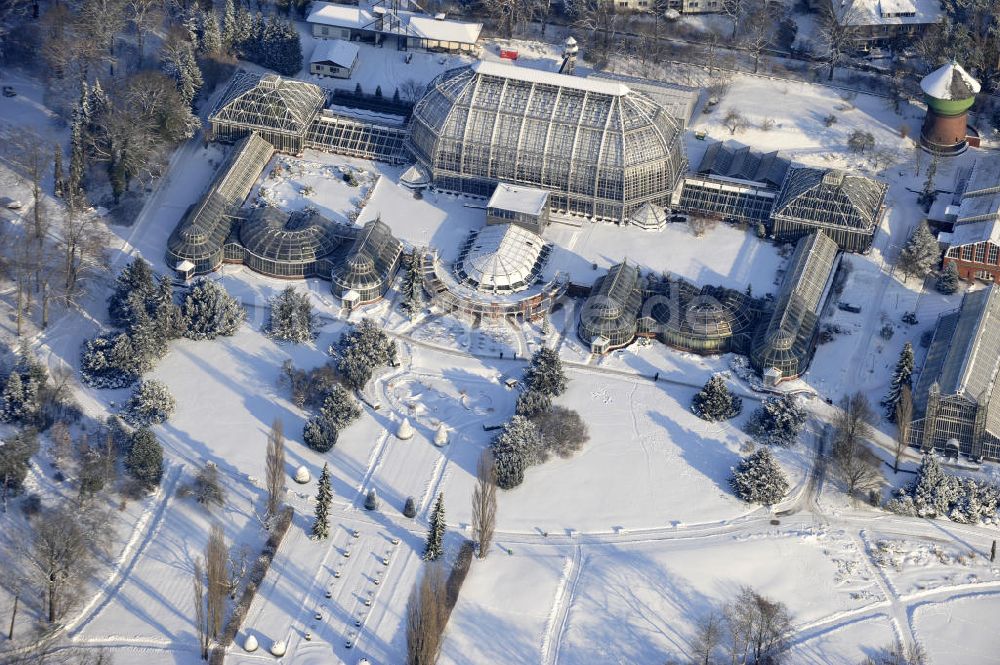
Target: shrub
[319,434]
[144,461]
[410,508]
[759,479]
[371,500]
[150,404]
[562,430]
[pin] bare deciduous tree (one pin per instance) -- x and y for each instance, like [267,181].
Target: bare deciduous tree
[275,468]
[735,121]
[707,638]
[217,579]
[484,503]
[838,33]
[426,616]
[511,15]
[200,613]
[854,461]
[904,418]
[758,30]
[758,627]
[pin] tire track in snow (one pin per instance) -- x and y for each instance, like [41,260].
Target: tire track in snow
[559,615]
[146,528]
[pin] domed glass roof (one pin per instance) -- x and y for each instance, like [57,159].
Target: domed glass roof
[502,258]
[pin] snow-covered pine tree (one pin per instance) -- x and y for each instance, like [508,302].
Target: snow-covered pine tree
[901,376]
[716,402]
[434,547]
[144,460]
[319,434]
[929,489]
[292,318]
[110,361]
[190,24]
[545,373]
[947,281]
[518,446]
[410,508]
[920,253]
[12,406]
[759,479]
[321,525]
[134,284]
[150,404]
[230,37]
[371,500]
[778,421]
[355,370]
[191,80]
[211,35]
[340,408]
[15,461]
[362,349]
[209,311]
[530,403]
[413,289]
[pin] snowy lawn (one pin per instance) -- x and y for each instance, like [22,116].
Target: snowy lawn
[912,566]
[845,644]
[953,631]
[316,181]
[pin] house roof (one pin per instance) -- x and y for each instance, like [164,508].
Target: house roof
[342,16]
[972,233]
[516,198]
[269,102]
[417,25]
[444,31]
[887,12]
[950,81]
[336,52]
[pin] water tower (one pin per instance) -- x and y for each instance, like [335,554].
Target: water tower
[949,92]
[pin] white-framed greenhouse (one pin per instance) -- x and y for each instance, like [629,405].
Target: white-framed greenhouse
[600,148]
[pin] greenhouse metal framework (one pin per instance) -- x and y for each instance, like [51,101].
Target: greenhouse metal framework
[290,115]
[956,401]
[451,295]
[370,266]
[785,341]
[201,234]
[601,149]
[501,258]
[288,245]
[846,207]
[609,317]
[707,320]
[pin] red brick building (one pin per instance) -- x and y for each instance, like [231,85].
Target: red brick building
[974,241]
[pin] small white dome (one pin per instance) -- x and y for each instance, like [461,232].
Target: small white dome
[302,475]
[405,430]
[441,435]
[250,645]
[279,648]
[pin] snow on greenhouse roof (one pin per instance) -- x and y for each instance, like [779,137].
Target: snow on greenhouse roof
[980,200]
[527,200]
[502,257]
[950,81]
[336,52]
[527,74]
[445,31]
[269,102]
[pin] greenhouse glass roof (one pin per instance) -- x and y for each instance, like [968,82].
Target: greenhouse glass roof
[502,257]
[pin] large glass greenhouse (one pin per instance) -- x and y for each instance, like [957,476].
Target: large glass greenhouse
[845,206]
[370,266]
[784,343]
[289,245]
[200,236]
[706,320]
[501,258]
[608,319]
[600,148]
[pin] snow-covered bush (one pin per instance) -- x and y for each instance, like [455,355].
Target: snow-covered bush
[545,373]
[518,446]
[778,421]
[530,403]
[150,404]
[144,461]
[410,508]
[340,408]
[292,318]
[205,488]
[361,350]
[19,398]
[209,311]
[716,402]
[371,500]
[562,430]
[759,479]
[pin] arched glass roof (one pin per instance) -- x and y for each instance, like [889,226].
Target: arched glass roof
[502,258]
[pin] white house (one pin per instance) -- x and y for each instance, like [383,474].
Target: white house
[333,57]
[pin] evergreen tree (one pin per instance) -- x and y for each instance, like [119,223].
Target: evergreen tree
[920,254]
[545,373]
[410,508]
[15,461]
[93,473]
[395,96]
[111,361]
[359,351]
[778,421]
[134,284]
[145,458]
[150,404]
[340,408]
[413,288]
[14,405]
[77,157]
[518,446]
[211,35]
[319,434]
[716,402]
[947,281]
[759,479]
[434,547]
[530,403]
[901,376]
[321,525]
[230,31]
[930,490]
[58,182]
[244,32]
[292,318]
[378,92]
[209,311]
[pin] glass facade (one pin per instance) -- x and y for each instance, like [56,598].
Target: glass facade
[611,311]
[370,265]
[599,148]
